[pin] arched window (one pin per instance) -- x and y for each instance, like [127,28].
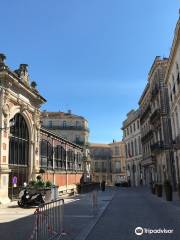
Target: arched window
[70,160]
[58,157]
[19,141]
[46,154]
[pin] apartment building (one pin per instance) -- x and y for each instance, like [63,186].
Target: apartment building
[172,80]
[101,162]
[146,136]
[108,162]
[73,128]
[133,148]
[155,126]
[118,162]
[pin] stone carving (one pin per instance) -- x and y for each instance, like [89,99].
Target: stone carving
[23,108]
[2,64]
[22,73]
[5,110]
[5,123]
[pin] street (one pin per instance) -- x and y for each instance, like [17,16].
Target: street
[120,211]
[137,207]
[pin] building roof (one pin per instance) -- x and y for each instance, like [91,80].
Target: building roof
[4,68]
[62,115]
[47,131]
[157,61]
[131,117]
[103,145]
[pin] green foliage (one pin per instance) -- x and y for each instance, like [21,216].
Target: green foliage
[38,178]
[48,184]
[32,183]
[41,171]
[40,184]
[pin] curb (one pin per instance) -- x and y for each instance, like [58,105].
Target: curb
[85,233]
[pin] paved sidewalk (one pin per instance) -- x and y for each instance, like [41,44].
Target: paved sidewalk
[137,207]
[79,218]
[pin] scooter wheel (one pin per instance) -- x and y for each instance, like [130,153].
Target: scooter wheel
[20,204]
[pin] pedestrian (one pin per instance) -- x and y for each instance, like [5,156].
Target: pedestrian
[103,184]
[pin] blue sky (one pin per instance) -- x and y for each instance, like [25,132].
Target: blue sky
[90,56]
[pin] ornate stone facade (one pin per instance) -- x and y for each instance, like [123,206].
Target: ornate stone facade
[21,136]
[17,96]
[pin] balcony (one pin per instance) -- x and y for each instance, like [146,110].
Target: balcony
[154,92]
[144,113]
[159,146]
[116,171]
[176,142]
[147,135]
[155,116]
[57,127]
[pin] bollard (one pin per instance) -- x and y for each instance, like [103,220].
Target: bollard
[94,202]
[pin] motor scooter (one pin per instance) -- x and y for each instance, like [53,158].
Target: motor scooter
[28,200]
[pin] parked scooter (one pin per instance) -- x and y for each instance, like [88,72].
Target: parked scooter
[27,200]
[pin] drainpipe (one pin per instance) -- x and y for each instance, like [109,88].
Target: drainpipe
[53,162]
[66,169]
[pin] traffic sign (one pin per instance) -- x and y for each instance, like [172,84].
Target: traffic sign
[14,180]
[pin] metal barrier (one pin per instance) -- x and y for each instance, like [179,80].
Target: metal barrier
[49,221]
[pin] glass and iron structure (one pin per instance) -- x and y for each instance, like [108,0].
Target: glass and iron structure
[58,154]
[55,153]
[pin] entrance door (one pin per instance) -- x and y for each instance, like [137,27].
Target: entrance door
[18,154]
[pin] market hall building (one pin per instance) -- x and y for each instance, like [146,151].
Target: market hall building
[25,147]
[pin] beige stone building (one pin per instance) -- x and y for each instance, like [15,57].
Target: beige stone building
[132,141]
[157,160]
[72,127]
[146,136]
[100,162]
[172,80]
[118,162]
[161,146]
[108,162]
